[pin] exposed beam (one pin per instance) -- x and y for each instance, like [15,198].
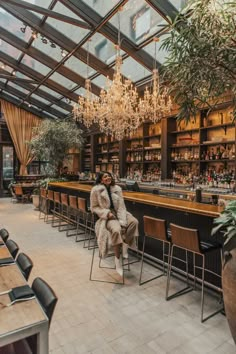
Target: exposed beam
[32,100]
[164,8]
[57,37]
[109,31]
[48,13]
[47,96]
[6,59]
[14,101]
[45,59]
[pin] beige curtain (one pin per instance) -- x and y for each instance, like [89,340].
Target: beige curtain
[20,124]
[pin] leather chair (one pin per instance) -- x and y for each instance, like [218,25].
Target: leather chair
[4,234]
[20,195]
[25,264]
[12,247]
[46,296]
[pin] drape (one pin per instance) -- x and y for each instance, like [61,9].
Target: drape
[20,125]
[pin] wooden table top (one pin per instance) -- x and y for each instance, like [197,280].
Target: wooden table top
[4,253]
[154,200]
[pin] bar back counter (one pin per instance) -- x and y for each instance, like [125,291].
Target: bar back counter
[181,212]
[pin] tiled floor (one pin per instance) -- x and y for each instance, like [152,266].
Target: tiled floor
[103,318]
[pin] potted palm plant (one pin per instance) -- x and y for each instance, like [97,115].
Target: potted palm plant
[226,222]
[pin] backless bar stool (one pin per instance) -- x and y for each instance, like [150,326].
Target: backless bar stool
[188,240]
[156,229]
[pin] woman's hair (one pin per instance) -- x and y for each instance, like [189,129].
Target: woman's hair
[101,174]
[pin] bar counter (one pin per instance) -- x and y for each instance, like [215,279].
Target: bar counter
[181,212]
[151,199]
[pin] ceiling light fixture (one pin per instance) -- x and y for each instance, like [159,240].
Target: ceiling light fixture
[14,73]
[3,66]
[44,40]
[34,34]
[63,53]
[53,45]
[23,28]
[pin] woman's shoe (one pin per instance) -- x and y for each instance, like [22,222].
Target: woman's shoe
[119,267]
[125,250]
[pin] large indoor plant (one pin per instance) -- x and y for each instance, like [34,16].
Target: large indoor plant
[52,141]
[200,65]
[226,222]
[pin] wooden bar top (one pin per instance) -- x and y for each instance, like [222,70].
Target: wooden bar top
[154,200]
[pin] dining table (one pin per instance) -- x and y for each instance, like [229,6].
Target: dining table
[21,319]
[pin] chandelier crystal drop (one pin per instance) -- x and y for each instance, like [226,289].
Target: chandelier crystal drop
[118,113]
[156,102]
[86,109]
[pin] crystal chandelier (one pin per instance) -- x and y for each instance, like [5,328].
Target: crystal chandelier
[117,111]
[156,102]
[86,109]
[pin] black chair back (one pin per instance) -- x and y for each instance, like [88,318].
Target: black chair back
[45,295]
[4,234]
[25,264]
[12,247]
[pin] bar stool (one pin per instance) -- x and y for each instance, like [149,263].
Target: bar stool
[83,220]
[56,208]
[50,202]
[188,240]
[73,214]
[43,200]
[64,211]
[155,229]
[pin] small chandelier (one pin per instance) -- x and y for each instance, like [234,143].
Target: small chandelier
[156,102]
[117,111]
[86,109]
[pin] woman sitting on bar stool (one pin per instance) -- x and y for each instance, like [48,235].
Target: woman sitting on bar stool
[115,226]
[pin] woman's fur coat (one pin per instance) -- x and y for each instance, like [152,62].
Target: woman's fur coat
[100,205]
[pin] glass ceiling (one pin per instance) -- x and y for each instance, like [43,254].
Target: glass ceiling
[44,57]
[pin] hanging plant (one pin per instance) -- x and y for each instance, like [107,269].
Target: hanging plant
[201,63]
[52,140]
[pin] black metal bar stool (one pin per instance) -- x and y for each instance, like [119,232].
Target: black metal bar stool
[156,229]
[73,214]
[188,240]
[43,201]
[83,220]
[50,203]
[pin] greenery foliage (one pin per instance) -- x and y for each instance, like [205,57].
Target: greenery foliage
[52,140]
[227,222]
[201,63]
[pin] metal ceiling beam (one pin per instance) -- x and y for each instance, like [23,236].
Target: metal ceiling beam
[32,100]
[109,31]
[43,94]
[6,59]
[45,59]
[48,13]
[164,8]
[57,37]
[32,110]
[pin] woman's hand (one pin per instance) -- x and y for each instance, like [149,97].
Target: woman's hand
[111,216]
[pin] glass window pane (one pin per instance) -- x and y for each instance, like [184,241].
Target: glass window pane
[60,109]
[40,99]
[102,48]
[101,81]
[133,70]
[102,7]
[82,92]
[9,49]
[15,26]
[3,80]
[178,4]
[51,92]
[79,67]
[138,21]
[13,96]
[73,32]
[17,87]
[46,48]
[62,80]
[35,65]
[160,53]
[49,114]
